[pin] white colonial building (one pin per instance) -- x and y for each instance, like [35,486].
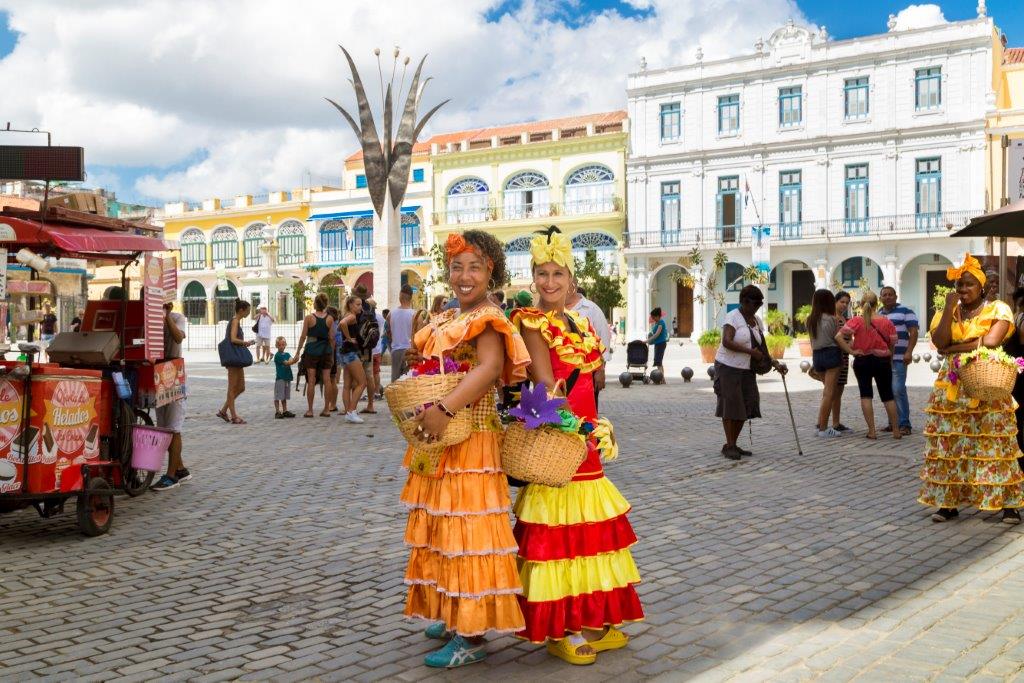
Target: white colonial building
[859,156]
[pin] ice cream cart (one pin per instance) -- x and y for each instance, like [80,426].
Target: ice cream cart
[67,426]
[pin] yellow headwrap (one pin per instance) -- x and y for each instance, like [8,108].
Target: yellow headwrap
[554,249]
[970,265]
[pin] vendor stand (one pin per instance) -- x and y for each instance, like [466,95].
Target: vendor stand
[67,426]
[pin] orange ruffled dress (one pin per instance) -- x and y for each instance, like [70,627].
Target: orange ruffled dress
[462,566]
[574,558]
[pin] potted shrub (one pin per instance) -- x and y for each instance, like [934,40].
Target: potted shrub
[777,344]
[803,339]
[709,342]
[939,304]
[778,339]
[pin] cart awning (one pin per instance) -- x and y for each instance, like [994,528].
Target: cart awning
[87,243]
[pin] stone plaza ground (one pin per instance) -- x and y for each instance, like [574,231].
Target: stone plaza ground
[283,560]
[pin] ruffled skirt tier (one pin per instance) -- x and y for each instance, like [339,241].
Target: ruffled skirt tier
[971,454]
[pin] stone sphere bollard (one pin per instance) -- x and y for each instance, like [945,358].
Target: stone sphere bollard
[625,379]
[687,374]
[935,366]
[927,357]
[916,358]
[711,372]
[804,366]
[657,376]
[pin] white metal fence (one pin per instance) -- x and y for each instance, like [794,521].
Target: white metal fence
[200,337]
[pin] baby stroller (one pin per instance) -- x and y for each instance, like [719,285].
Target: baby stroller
[636,357]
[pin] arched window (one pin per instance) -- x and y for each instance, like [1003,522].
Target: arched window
[590,189]
[225,247]
[193,302]
[193,250]
[605,248]
[410,235]
[527,196]
[291,243]
[252,239]
[225,298]
[333,241]
[517,258]
[468,201]
[734,281]
[362,238]
[333,287]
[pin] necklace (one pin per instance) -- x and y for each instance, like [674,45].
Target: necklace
[966,314]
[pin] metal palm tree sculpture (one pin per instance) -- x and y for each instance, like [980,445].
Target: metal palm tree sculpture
[387,162]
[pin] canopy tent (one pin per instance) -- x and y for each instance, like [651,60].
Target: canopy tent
[92,244]
[1007,221]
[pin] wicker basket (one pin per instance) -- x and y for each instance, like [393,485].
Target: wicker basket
[408,395]
[986,379]
[541,456]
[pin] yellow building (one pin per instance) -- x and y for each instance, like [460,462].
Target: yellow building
[229,249]
[1006,122]
[513,180]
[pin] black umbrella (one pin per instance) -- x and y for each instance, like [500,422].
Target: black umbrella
[1004,222]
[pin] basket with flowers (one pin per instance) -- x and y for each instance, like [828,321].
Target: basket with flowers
[426,383]
[985,374]
[545,443]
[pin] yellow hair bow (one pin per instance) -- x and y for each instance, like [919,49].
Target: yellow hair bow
[605,436]
[970,265]
[554,249]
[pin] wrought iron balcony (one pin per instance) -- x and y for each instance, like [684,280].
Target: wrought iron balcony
[874,227]
[537,210]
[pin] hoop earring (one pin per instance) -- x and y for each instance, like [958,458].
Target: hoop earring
[492,285]
[533,287]
[573,291]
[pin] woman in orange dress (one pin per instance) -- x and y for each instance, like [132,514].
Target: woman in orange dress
[574,560]
[462,569]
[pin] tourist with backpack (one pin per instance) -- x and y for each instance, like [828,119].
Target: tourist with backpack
[349,360]
[367,335]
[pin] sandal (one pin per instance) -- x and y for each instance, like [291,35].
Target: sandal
[873,437]
[613,639]
[308,415]
[566,651]
[224,416]
[238,421]
[325,414]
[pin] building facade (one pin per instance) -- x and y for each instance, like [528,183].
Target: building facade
[1006,121]
[516,179]
[838,164]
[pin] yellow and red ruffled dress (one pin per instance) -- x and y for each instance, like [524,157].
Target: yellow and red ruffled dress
[574,559]
[462,566]
[971,455]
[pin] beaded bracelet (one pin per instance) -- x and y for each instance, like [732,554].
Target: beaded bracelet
[445,409]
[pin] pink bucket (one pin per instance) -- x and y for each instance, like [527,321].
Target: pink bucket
[148,447]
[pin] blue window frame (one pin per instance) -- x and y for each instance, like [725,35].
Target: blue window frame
[728,114]
[410,235]
[670,207]
[928,88]
[671,122]
[852,272]
[857,199]
[928,193]
[728,207]
[362,238]
[733,277]
[790,204]
[856,98]
[333,242]
[791,110]
[417,175]
[360,181]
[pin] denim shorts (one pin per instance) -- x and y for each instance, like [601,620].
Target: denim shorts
[347,357]
[827,358]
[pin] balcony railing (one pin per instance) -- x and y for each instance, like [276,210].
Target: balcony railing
[904,225]
[486,214]
[363,254]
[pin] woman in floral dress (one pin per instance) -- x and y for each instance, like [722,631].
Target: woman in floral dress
[971,457]
[462,569]
[577,571]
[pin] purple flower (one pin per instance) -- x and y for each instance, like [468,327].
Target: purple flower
[952,377]
[536,409]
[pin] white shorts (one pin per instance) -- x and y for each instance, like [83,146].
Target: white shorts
[171,416]
[263,341]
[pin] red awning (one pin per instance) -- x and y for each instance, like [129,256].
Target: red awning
[75,242]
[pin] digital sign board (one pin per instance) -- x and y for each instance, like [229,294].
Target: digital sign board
[35,162]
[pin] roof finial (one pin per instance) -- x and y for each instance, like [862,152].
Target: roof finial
[643,63]
[982,10]
[699,54]
[892,22]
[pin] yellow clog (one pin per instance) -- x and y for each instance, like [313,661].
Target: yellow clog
[612,640]
[566,651]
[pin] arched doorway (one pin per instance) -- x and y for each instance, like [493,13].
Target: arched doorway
[225,297]
[193,303]
[790,286]
[413,279]
[919,281]
[366,280]
[857,272]
[674,297]
[334,288]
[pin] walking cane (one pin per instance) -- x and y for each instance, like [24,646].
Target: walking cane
[792,421]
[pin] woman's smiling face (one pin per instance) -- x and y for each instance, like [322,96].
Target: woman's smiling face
[553,282]
[469,277]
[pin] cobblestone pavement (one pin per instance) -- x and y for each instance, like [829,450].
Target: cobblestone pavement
[282,559]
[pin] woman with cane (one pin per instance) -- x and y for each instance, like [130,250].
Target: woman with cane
[743,351]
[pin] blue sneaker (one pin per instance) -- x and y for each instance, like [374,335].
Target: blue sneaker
[165,483]
[438,631]
[458,652]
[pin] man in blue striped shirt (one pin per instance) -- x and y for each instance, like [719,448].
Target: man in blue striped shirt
[907,326]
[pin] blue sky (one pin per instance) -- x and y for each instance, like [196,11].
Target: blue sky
[207,106]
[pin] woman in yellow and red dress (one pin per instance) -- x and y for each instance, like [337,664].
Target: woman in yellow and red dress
[462,570]
[577,571]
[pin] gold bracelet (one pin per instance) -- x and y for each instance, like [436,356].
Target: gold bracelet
[444,409]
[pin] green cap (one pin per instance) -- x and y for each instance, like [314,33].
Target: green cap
[524,298]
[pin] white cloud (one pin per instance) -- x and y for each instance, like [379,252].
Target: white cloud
[239,84]
[919,16]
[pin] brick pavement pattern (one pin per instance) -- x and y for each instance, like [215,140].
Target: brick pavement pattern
[282,560]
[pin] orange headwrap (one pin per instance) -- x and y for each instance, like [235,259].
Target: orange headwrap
[456,244]
[970,265]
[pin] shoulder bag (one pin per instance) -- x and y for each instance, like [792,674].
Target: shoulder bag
[233,355]
[763,366]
